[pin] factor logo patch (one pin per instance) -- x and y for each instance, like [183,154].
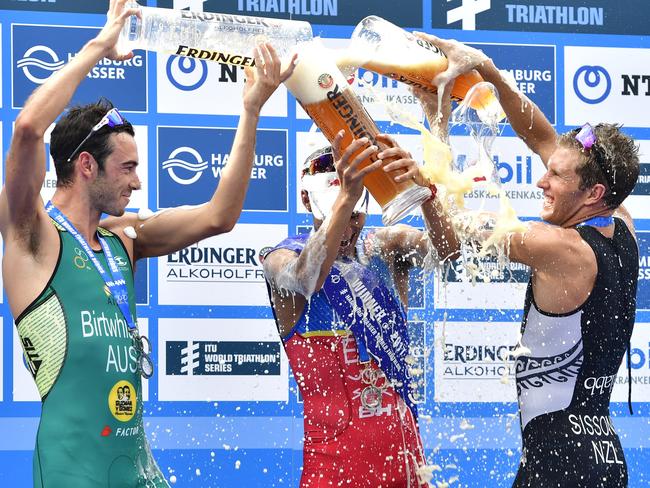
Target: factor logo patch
[122,401]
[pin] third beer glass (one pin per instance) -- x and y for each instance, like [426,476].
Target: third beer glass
[326,96]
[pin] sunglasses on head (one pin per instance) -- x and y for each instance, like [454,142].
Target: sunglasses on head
[323,163]
[586,136]
[112,118]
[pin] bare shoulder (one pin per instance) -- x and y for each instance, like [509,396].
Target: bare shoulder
[546,247]
[288,306]
[276,260]
[119,226]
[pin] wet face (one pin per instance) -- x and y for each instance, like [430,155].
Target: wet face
[111,190]
[350,235]
[562,195]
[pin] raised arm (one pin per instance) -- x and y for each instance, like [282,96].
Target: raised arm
[290,274]
[403,242]
[21,207]
[323,246]
[177,228]
[526,119]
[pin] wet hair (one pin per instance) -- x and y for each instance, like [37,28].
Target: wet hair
[612,161]
[72,128]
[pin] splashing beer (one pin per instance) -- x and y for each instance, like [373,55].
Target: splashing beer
[326,96]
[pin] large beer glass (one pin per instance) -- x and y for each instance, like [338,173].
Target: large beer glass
[324,93]
[382,47]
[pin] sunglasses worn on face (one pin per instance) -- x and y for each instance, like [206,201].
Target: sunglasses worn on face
[113,118]
[587,139]
[323,163]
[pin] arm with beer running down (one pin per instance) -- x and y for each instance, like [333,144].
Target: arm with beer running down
[405,243]
[526,119]
[306,273]
[170,230]
[22,208]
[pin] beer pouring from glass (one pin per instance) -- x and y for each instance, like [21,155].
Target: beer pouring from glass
[324,93]
[386,49]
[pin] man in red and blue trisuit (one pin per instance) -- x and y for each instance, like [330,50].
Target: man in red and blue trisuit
[339,296]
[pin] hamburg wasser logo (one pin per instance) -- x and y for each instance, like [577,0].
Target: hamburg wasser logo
[39,63]
[39,51]
[122,401]
[185,170]
[192,160]
[210,358]
[592,84]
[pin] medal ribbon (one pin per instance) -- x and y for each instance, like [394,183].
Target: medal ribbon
[115,283]
[377,321]
[598,221]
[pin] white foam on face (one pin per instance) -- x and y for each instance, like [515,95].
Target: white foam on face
[315,74]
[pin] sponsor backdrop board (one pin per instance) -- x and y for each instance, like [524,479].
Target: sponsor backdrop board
[223,408]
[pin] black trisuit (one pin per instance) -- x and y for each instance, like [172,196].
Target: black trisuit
[564,385]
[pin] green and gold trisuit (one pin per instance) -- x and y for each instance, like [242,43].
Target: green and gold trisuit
[79,349]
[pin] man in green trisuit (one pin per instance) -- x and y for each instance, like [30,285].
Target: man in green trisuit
[76,311]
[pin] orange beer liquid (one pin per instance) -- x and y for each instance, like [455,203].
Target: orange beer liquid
[421,75]
[343,110]
[408,59]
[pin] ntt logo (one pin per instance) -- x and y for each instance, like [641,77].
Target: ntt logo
[176,166]
[39,59]
[592,84]
[186,74]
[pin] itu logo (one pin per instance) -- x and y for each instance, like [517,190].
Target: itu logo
[41,60]
[183,358]
[592,84]
[186,74]
[175,165]
[467,13]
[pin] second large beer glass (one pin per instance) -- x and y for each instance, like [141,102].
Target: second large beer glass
[326,96]
[382,47]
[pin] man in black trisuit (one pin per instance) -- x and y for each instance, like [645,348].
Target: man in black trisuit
[581,299]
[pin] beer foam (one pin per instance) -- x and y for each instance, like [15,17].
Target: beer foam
[315,73]
[145,213]
[130,232]
[482,234]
